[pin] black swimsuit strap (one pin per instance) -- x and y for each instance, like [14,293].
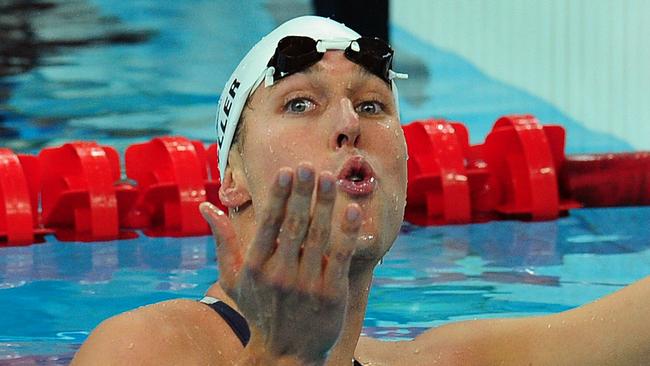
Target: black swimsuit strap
[238,323]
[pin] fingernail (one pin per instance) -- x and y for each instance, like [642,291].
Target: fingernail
[304,174]
[206,206]
[325,184]
[284,179]
[352,214]
[210,207]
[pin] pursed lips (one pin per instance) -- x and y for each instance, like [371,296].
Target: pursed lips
[356,177]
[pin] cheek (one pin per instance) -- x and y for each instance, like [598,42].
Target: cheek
[270,148]
[287,147]
[389,143]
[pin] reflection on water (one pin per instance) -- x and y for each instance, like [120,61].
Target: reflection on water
[439,274]
[157,70]
[53,294]
[41,33]
[32,30]
[97,263]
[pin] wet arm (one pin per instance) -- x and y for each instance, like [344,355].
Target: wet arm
[614,330]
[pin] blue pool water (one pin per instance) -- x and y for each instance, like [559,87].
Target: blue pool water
[122,72]
[53,294]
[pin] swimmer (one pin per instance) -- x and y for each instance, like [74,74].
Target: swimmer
[313,167]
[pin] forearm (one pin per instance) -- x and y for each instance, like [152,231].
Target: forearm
[614,330]
[253,358]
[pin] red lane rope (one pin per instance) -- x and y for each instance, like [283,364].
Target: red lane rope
[520,171]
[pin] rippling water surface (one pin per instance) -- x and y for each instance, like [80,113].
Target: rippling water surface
[53,294]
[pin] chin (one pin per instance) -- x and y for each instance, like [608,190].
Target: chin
[368,250]
[379,230]
[372,245]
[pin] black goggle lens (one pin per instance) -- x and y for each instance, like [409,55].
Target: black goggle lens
[296,53]
[374,54]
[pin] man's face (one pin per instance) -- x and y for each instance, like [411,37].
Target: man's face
[342,119]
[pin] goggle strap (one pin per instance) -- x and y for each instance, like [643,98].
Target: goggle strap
[268,76]
[396,75]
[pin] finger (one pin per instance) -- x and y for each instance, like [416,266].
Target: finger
[270,221]
[335,276]
[319,233]
[296,221]
[229,252]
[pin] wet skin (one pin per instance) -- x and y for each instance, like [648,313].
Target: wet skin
[280,227]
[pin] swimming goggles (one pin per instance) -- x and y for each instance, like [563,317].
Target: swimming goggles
[296,53]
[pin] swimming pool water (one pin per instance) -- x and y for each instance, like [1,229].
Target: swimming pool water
[123,72]
[53,294]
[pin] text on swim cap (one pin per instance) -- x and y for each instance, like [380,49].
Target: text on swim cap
[227,104]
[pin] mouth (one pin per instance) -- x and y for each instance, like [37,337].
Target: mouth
[356,177]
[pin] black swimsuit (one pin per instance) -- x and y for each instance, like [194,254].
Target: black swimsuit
[237,322]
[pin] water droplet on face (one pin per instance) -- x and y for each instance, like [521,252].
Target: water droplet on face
[131,345]
[366,237]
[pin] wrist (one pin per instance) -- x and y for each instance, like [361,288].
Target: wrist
[249,358]
[256,353]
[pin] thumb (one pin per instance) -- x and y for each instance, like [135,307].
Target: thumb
[229,254]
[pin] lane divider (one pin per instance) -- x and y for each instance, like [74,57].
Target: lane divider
[78,192]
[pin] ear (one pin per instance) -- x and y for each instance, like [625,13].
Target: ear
[234,191]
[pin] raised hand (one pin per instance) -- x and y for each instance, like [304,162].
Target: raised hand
[291,280]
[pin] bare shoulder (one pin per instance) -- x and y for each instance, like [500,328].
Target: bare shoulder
[167,333]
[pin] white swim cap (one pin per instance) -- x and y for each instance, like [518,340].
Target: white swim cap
[253,68]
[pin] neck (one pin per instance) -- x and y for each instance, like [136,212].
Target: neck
[359,288]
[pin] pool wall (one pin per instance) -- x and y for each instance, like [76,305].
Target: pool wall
[588,58]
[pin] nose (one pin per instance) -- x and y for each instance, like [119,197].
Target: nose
[348,130]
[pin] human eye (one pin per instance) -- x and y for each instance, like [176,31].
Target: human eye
[370,107]
[299,105]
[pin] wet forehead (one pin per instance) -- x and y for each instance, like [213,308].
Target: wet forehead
[336,60]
